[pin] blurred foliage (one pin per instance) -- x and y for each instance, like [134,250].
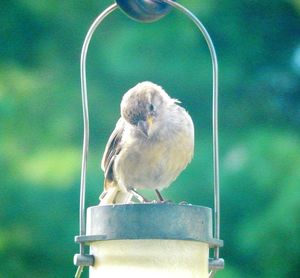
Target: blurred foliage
[258,45]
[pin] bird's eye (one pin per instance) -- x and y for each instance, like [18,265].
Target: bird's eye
[151,107]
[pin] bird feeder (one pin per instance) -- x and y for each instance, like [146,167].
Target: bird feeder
[149,240]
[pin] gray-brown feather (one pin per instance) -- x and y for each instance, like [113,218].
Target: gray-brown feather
[113,147]
[142,154]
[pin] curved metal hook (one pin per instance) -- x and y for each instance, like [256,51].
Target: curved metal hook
[88,37]
[85,109]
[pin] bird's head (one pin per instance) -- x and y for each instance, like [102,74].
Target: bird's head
[144,106]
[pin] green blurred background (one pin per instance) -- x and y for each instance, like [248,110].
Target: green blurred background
[258,46]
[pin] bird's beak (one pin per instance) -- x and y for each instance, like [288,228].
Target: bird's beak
[144,126]
[149,121]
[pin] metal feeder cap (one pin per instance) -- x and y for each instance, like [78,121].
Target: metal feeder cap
[144,10]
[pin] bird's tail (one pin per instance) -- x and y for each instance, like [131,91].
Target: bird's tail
[114,195]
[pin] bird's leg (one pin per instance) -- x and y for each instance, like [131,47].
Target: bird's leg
[160,197]
[162,200]
[138,196]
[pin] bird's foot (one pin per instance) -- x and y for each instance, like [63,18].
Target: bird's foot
[165,202]
[139,197]
[144,200]
[184,203]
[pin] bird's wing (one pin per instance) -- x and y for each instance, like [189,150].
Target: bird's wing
[113,147]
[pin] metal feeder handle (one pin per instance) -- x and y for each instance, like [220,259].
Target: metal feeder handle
[88,37]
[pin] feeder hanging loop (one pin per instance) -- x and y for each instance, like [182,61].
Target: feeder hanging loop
[147,11]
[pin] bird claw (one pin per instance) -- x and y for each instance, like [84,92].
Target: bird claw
[165,202]
[184,203]
[139,197]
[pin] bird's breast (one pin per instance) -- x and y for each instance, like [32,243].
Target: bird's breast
[154,162]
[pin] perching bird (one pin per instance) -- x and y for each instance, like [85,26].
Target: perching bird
[152,143]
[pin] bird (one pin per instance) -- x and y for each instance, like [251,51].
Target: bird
[152,143]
